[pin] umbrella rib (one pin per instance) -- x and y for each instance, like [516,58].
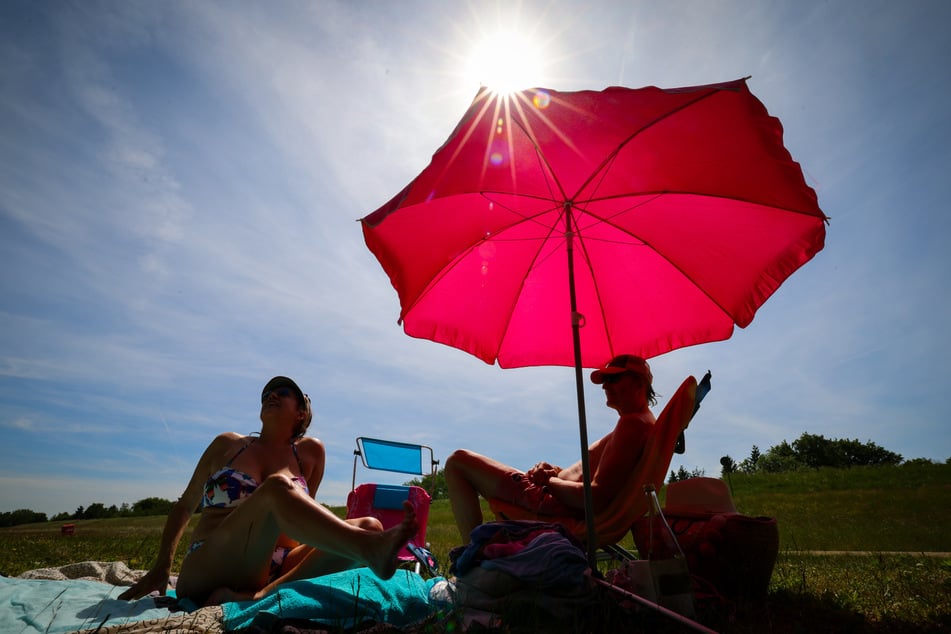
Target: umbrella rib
[600,173]
[550,228]
[602,169]
[582,239]
[523,124]
[460,256]
[461,146]
[521,284]
[653,195]
[488,195]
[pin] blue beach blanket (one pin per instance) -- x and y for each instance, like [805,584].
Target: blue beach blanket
[40,605]
[343,599]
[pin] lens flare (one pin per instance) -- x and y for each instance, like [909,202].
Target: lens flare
[505,62]
[541,99]
[498,152]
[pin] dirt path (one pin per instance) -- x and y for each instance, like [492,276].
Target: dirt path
[866,553]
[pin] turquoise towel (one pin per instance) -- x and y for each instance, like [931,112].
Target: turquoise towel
[343,599]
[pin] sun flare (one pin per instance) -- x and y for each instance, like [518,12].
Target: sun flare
[505,62]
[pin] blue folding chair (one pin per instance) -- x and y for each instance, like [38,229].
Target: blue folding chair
[385,501]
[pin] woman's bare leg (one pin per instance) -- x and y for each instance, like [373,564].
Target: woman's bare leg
[469,475]
[303,562]
[237,555]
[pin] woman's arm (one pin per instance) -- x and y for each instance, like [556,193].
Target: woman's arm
[176,522]
[314,460]
[157,577]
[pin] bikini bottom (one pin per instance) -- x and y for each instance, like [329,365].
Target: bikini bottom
[277,557]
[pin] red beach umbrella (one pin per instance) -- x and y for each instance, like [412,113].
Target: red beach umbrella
[563,228]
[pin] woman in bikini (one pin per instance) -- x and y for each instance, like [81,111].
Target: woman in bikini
[260,525]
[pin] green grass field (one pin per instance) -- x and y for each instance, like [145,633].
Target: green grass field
[879,511]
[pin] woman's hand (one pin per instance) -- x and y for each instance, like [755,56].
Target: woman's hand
[154,579]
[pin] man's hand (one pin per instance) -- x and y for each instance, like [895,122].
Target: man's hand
[539,499]
[541,473]
[153,580]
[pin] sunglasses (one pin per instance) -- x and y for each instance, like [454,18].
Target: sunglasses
[282,392]
[613,378]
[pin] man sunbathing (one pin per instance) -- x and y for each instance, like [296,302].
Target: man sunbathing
[551,490]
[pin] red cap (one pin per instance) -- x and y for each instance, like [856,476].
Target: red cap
[623,363]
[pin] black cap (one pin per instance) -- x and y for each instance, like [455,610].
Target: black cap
[283,381]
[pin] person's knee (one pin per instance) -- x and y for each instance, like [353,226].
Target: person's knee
[458,458]
[368,523]
[278,483]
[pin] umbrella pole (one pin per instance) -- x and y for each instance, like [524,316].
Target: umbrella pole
[576,319]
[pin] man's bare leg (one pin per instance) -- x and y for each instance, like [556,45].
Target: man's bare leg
[469,475]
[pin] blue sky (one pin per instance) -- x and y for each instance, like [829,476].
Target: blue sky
[179,184]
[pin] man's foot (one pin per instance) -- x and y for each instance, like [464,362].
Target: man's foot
[382,560]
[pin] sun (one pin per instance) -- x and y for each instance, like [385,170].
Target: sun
[505,62]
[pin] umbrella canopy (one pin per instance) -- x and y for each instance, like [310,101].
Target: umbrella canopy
[638,220]
[685,209]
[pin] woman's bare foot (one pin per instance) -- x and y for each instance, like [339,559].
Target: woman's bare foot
[382,561]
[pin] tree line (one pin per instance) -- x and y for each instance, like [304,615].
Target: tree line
[809,451]
[812,451]
[95,511]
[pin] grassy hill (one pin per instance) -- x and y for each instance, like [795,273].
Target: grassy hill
[904,509]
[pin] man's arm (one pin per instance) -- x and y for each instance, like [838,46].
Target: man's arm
[568,492]
[568,486]
[619,459]
[575,473]
[611,461]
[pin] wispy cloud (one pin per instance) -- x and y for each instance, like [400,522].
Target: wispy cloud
[179,186]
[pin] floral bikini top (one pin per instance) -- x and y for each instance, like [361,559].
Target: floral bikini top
[227,487]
